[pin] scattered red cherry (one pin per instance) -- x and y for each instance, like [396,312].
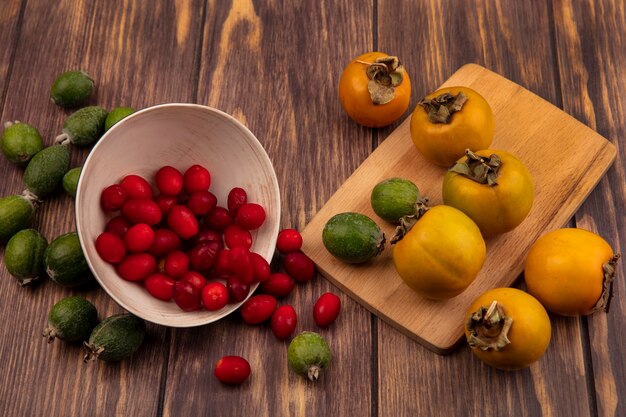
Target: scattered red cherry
[237,290]
[258,309]
[214,296]
[222,265]
[176,264]
[112,198]
[284,321]
[218,218]
[139,238]
[326,309]
[261,268]
[204,255]
[236,198]
[201,202]
[186,296]
[169,181]
[232,370]
[136,266]
[141,210]
[240,262]
[207,235]
[250,216]
[235,236]
[118,225]
[288,241]
[194,278]
[110,247]
[165,241]
[299,266]
[182,221]
[278,284]
[160,286]
[136,187]
[196,178]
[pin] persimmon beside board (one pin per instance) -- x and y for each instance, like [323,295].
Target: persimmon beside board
[566,160]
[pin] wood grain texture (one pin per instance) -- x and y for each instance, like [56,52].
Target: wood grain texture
[275,67]
[522,120]
[514,39]
[10,23]
[113,41]
[590,58]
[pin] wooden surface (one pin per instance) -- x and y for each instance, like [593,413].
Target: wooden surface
[523,121]
[276,69]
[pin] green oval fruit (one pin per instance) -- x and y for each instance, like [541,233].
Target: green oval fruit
[16,213]
[71,89]
[23,255]
[84,126]
[20,142]
[71,319]
[353,237]
[308,354]
[116,115]
[115,338]
[45,171]
[70,181]
[65,263]
[394,198]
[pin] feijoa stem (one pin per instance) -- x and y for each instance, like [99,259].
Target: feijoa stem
[407,222]
[63,139]
[384,74]
[313,373]
[91,352]
[50,334]
[609,269]
[477,168]
[31,198]
[441,108]
[489,327]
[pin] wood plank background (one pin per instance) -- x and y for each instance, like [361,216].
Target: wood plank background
[275,67]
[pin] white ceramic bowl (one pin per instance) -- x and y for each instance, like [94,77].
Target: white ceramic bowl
[179,135]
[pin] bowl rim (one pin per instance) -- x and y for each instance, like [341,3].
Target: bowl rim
[78,221]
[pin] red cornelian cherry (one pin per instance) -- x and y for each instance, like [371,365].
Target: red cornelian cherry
[110,247]
[118,225]
[169,181]
[288,241]
[235,236]
[237,290]
[258,308]
[261,267]
[218,218]
[141,210]
[165,241]
[113,198]
[240,262]
[201,202]
[196,178]
[139,238]
[176,264]
[204,255]
[299,266]
[182,221]
[137,187]
[165,203]
[160,286]
[284,321]
[326,309]
[208,235]
[232,370]
[214,296]
[186,296]
[136,266]
[236,198]
[194,278]
[250,216]
[278,284]
[222,264]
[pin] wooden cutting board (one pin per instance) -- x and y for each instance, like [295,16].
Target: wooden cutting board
[566,160]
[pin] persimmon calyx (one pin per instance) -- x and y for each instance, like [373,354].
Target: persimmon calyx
[609,269]
[441,108]
[407,222]
[384,74]
[489,328]
[483,170]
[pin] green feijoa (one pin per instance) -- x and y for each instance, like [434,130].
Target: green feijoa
[84,126]
[23,255]
[308,354]
[71,89]
[45,171]
[70,181]
[72,319]
[16,213]
[394,198]
[20,142]
[65,263]
[353,237]
[115,338]
[116,115]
